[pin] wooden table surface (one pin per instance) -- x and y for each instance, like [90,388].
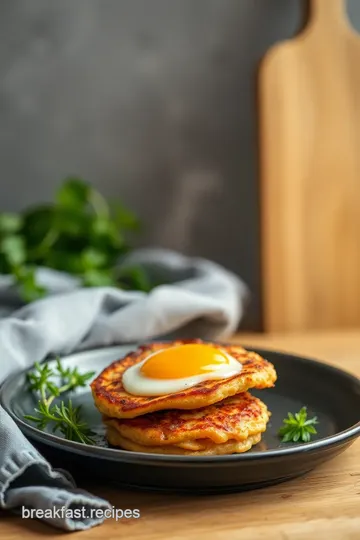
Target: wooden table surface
[324,504]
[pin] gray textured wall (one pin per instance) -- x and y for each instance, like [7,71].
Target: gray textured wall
[150,100]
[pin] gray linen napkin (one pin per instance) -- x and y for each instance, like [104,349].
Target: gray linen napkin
[200,299]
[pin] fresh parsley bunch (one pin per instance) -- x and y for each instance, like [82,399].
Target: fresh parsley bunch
[298,427]
[79,233]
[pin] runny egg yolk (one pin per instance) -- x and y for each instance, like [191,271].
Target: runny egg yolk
[184,361]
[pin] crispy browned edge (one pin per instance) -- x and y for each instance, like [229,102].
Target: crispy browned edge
[237,417]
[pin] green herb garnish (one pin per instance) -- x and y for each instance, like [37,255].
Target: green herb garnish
[297,427]
[79,233]
[63,417]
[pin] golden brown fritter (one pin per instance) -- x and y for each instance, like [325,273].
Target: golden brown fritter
[208,449]
[237,417]
[112,399]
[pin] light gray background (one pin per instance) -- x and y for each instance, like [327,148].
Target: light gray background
[153,101]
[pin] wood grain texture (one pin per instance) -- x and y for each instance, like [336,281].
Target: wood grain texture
[309,91]
[323,504]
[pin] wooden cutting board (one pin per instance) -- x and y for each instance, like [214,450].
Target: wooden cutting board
[309,93]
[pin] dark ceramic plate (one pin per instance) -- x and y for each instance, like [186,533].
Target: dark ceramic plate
[329,393]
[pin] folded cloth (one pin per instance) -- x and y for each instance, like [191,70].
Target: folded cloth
[27,479]
[200,299]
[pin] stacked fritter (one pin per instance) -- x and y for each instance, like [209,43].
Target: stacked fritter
[213,417]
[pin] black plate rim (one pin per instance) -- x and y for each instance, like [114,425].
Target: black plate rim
[144,458]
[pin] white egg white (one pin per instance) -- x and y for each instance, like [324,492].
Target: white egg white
[137,384]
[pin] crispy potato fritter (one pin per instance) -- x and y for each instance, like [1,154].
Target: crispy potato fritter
[113,401]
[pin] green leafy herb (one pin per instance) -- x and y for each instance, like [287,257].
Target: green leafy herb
[62,417]
[13,247]
[297,427]
[125,218]
[79,233]
[29,288]
[10,223]
[98,278]
[74,193]
[134,277]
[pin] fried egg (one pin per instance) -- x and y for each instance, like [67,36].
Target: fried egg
[111,398]
[177,368]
